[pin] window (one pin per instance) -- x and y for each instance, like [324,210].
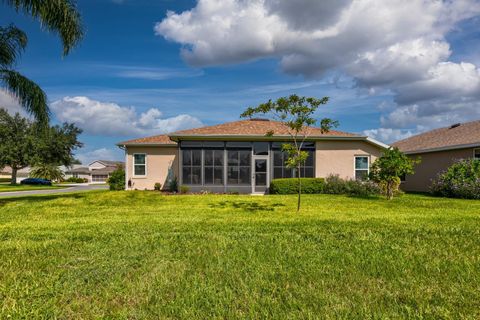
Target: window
[476,154]
[213,167]
[139,164]
[361,167]
[192,166]
[280,170]
[260,148]
[239,162]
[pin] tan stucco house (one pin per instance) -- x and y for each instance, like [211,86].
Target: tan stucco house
[242,156]
[439,149]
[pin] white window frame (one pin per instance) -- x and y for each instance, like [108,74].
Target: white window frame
[134,164]
[355,163]
[476,149]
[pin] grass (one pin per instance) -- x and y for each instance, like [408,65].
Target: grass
[6,187]
[137,255]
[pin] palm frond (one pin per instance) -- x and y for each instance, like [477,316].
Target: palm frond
[58,16]
[12,43]
[30,95]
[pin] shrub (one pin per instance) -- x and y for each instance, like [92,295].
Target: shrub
[290,186]
[461,180]
[362,188]
[157,186]
[117,180]
[5,180]
[76,180]
[173,187]
[335,185]
[184,189]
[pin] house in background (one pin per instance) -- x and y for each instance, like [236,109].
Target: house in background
[241,157]
[6,173]
[438,150]
[97,172]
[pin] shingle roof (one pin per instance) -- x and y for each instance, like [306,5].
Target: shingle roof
[159,139]
[254,127]
[455,136]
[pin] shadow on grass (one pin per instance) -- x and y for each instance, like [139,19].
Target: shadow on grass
[246,206]
[39,198]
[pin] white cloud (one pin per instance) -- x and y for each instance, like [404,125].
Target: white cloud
[108,118]
[99,154]
[8,102]
[388,135]
[396,46]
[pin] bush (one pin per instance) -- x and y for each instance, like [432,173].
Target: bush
[333,184]
[184,189]
[157,186]
[117,180]
[5,180]
[173,187]
[290,185]
[76,180]
[461,180]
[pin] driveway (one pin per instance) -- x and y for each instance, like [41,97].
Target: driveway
[68,189]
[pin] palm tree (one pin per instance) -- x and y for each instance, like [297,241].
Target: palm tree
[57,16]
[47,171]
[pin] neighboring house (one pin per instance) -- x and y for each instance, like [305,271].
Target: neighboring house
[21,174]
[241,157]
[97,172]
[438,150]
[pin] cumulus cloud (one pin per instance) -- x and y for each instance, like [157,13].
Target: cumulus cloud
[394,45]
[8,102]
[388,135]
[108,118]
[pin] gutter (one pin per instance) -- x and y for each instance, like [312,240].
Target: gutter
[446,148]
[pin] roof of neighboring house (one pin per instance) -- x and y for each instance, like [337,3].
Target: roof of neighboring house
[103,171]
[253,127]
[109,163]
[460,135]
[157,140]
[84,170]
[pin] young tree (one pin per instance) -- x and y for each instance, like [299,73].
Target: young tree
[388,169]
[24,143]
[17,142]
[297,114]
[58,16]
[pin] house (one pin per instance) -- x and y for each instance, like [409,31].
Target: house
[97,172]
[6,173]
[439,149]
[242,157]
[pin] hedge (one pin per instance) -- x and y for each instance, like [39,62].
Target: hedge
[290,185]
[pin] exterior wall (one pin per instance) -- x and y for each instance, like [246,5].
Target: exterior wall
[432,163]
[338,157]
[158,159]
[79,175]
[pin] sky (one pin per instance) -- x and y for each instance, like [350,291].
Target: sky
[146,67]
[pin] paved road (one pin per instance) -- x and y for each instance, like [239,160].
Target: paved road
[79,188]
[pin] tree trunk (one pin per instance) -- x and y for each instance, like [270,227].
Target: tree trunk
[299,189]
[14,176]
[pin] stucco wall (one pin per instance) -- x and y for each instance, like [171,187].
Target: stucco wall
[431,164]
[338,157]
[159,160]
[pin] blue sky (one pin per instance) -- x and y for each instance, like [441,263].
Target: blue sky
[126,67]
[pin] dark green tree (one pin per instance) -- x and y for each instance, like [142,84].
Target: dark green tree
[297,114]
[116,181]
[57,16]
[24,143]
[17,143]
[387,170]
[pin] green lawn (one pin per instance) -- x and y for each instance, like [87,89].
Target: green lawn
[6,187]
[140,255]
